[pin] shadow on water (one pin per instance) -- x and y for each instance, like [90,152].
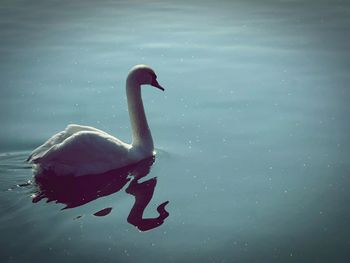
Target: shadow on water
[76,191]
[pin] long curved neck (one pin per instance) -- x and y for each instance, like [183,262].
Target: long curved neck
[141,134]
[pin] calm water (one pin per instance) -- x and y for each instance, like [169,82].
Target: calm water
[252,132]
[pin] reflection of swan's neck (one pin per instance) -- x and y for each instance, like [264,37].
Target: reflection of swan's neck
[141,134]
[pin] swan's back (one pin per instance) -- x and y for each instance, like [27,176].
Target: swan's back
[81,150]
[57,139]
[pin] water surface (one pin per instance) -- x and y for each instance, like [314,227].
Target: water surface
[252,132]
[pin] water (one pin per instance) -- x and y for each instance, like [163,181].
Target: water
[252,132]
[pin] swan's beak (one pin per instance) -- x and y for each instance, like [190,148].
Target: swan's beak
[156,84]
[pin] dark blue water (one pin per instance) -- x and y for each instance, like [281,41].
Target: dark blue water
[252,133]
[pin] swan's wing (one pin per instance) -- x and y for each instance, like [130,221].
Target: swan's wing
[86,147]
[59,138]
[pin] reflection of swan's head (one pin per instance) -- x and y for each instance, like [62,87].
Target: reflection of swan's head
[144,75]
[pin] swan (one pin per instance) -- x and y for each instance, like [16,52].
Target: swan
[81,150]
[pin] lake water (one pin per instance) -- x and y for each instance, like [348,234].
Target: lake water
[252,132]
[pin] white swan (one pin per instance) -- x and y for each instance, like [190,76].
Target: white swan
[81,150]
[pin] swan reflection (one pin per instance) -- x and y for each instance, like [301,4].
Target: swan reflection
[74,191]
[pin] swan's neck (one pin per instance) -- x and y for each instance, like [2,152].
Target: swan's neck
[141,134]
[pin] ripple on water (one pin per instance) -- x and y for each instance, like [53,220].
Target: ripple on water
[14,160]
[14,171]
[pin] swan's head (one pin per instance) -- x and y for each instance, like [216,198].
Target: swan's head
[144,75]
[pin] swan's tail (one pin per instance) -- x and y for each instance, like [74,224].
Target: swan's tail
[29,159]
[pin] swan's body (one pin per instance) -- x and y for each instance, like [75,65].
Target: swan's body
[80,150]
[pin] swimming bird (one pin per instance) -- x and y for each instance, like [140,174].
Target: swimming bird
[81,150]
